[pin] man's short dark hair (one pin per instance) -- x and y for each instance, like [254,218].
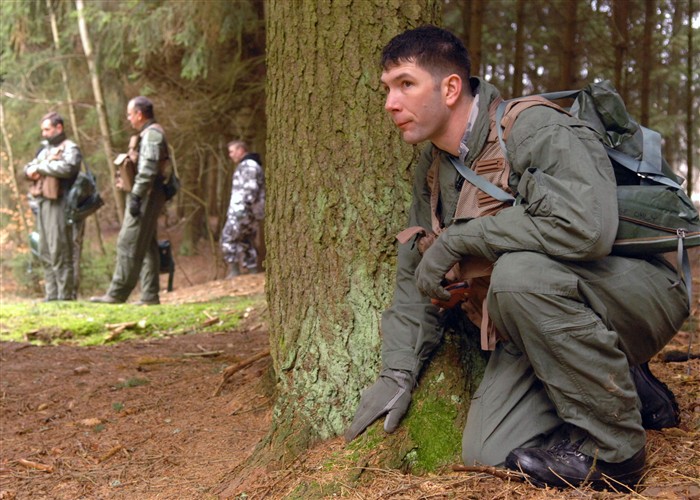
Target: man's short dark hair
[435,49]
[53,117]
[144,105]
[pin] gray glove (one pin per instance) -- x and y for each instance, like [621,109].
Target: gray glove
[436,262]
[390,394]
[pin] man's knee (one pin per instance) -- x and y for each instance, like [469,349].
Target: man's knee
[521,271]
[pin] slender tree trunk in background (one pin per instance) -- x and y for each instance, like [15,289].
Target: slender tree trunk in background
[647,50]
[519,59]
[71,106]
[465,15]
[672,146]
[476,22]
[194,204]
[99,105]
[690,110]
[567,78]
[23,225]
[621,41]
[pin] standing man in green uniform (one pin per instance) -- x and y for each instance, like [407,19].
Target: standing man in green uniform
[52,173]
[557,400]
[137,245]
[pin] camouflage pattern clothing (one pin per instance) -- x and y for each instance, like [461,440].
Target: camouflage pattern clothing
[59,158]
[245,211]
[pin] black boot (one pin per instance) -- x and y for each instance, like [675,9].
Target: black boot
[564,466]
[659,406]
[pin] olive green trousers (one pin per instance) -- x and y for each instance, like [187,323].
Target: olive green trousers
[138,257]
[571,331]
[56,249]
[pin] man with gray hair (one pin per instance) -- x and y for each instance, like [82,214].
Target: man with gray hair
[137,246]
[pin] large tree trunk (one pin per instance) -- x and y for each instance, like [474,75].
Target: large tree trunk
[338,180]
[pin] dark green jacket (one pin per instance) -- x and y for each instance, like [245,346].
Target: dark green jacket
[569,211]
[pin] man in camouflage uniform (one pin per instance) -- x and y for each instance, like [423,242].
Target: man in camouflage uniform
[52,173]
[245,211]
[137,245]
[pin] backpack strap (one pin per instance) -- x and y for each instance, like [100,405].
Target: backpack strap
[508,111]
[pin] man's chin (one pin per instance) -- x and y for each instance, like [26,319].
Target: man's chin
[411,139]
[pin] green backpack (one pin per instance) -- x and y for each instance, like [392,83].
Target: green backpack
[83,198]
[656,215]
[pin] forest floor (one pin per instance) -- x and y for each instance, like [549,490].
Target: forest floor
[152,419]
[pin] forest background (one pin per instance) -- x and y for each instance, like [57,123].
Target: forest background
[299,81]
[203,64]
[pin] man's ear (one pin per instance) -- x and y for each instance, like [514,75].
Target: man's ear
[452,88]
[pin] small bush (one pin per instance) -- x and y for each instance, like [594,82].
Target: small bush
[95,272]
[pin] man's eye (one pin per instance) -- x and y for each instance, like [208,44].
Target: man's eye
[406,84]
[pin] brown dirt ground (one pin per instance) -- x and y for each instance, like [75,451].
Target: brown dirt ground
[139,420]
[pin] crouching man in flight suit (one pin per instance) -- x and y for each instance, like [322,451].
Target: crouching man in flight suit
[557,399]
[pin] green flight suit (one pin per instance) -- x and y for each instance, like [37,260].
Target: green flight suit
[137,245]
[60,158]
[573,317]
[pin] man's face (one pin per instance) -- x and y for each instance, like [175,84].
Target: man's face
[236,153]
[135,117]
[415,102]
[49,131]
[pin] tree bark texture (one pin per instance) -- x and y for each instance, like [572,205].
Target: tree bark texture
[338,188]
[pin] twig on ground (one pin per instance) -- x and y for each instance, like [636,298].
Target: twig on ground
[121,326]
[493,471]
[231,370]
[110,454]
[206,354]
[35,465]
[211,321]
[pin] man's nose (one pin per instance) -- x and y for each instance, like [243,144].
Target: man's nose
[391,103]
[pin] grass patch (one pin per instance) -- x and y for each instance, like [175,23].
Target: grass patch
[85,323]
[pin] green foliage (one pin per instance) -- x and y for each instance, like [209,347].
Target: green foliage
[95,272]
[96,269]
[27,272]
[85,323]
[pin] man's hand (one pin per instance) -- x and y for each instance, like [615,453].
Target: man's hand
[459,292]
[436,262]
[390,394]
[31,172]
[134,205]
